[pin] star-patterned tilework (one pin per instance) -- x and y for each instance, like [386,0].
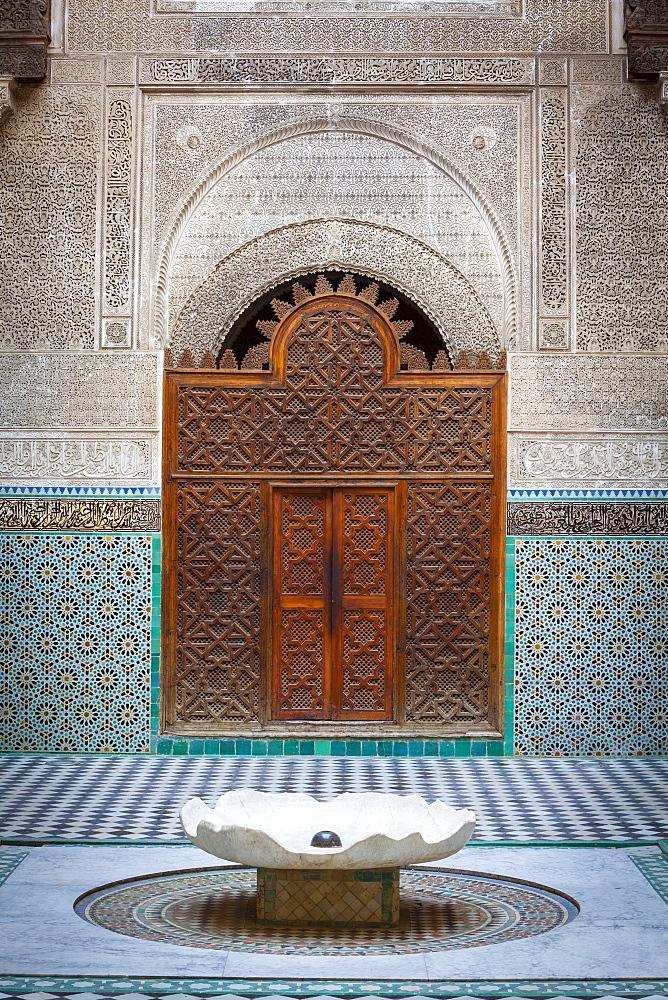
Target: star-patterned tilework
[591,646]
[75,642]
[520,800]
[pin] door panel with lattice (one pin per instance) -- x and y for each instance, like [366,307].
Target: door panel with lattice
[333,629]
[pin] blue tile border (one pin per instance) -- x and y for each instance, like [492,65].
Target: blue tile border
[9,860]
[15,985]
[80,491]
[587,494]
[655,869]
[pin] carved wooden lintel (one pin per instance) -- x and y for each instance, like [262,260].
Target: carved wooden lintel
[24,36]
[646,35]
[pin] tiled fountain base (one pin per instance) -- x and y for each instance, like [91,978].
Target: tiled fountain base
[216,910]
[619,934]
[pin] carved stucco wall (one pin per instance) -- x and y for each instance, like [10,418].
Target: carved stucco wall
[444,172]
[49,168]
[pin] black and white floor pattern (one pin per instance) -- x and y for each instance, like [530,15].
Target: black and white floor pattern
[524,800]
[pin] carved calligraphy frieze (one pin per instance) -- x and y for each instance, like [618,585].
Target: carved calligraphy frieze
[493,71]
[118,206]
[639,460]
[586,518]
[80,514]
[75,459]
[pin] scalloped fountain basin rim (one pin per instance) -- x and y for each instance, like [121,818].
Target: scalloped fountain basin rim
[377,830]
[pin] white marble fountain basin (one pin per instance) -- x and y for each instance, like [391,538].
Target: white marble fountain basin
[377,830]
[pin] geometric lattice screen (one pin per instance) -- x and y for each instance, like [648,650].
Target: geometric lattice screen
[333,532]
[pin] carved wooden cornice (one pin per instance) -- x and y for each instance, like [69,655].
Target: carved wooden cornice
[24,36]
[646,35]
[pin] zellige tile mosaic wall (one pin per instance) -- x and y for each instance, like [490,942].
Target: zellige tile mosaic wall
[75,641]
[591,646]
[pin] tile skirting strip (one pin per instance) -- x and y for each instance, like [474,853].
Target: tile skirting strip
[15,986]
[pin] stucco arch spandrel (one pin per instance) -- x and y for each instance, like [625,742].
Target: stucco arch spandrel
[199,201]
[441,291]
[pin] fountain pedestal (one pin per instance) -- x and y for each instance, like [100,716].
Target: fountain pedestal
[334,897]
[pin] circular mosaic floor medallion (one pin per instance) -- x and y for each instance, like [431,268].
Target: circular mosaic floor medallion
[215,908]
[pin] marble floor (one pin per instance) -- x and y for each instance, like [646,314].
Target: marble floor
[614,864]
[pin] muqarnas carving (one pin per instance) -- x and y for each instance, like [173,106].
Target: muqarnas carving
[48,184]
[622,237]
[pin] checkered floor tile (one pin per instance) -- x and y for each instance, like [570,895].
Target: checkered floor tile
[526,991]
[138,798]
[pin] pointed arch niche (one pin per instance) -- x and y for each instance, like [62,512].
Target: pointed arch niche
[334,529]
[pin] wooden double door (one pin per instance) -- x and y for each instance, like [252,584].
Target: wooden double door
[333,602]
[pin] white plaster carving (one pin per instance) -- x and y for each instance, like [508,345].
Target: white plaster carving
[78,390]
[376,830]
[553,335]
[76,70]
[553,253]
[595,391]
[342,70]
[432,282]
[121,69]
[637,460]
[50,460]
[117,333]
[605,69]
[350,168]
[7,99]
[424,8]
[49,152]
[621,231]
[127,25]
[552,71]
[118,204]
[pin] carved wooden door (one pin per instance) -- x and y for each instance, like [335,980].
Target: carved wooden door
[333,609]
[333,532]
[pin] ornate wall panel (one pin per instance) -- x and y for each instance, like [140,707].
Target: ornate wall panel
[49,151]
[590,647]
[217,674]
[118,218]
[443,293]
[576,392]
[457,143]
[584,518]
[622,238]
[77,625]
[82,390]
[547,26]
[448,594]
[345,175]
[73,459]
[554,292]
[621,460]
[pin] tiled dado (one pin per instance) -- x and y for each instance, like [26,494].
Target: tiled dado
[591,646]
[331,748]
[79,641]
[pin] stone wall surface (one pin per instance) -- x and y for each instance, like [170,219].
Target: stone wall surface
[492,162]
